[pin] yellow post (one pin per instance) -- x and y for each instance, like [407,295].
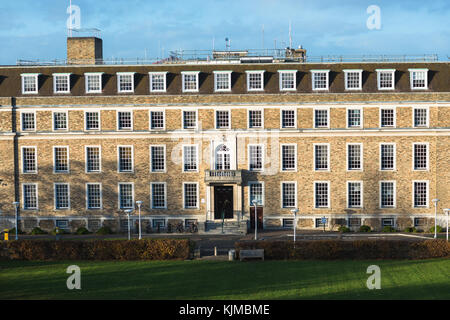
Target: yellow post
[6,234]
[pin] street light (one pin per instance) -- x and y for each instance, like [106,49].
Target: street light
[128,212]
[16,206]
[254,201]
[435,201]
[139,203]
[447,212]
[294,211]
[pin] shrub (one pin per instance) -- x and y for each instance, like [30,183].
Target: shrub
[60,231]
[342,249]
[344,229]
[82,230]
[388,229]
[410,229]
[13,231]
[364,228]
[37,231]
[104,231]
[438,228]
[148,249]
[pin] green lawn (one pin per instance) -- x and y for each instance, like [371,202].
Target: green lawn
[424,279]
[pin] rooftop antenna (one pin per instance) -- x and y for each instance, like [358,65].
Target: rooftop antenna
[70,28]
[290,35]
[227,44]
[214,39]
[263,37]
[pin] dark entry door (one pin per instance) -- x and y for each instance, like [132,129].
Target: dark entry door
[223,202]
[259,213]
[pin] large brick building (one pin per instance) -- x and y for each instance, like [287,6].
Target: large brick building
[198,140]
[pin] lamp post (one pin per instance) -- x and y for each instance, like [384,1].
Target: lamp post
[294,211]
[139,203]
[128,212]
[254,201]
[16,206]
[447,212]
[435,201]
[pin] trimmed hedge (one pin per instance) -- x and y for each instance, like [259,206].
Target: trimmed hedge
[357,250]
[148,249]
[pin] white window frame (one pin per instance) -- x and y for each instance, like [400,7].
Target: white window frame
[394,150]
[427,125]
[23,196]
[328,157]
[196,158]
[428,156]
[295,118]
[328,195]
[282,195]
[151,195]
[313,75]
[379,72]
[132,158]
[280,82]
[184,196]
[185,73]
[263,198]
[394,195]
[36,79]
[68,196]
[118,122]
[361,150]
[150,119]
[119,75]
[99,120]
[295,157]
[22,160]
[361,183]
[151,161]
[21,121]
[346,72]
[87,195]
[53,121]
[86,158]
[248,73]
[215,81]
[182,119]
[394,119]
[361,120]
[262,119]
[67,76]
[132,195]
[411,72]
[262,156]
[54,159]
[414,194]
[229,119]
[158,73]
[98,74]
[328,118]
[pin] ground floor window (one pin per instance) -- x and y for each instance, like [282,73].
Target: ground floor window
[320,223]
[158,223]
[354,222]
[62,224]
[419,222]
[387,222]
[288,223]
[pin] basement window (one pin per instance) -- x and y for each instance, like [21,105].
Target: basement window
[93,82]
[288,223]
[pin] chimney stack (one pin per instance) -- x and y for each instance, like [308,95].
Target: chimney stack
[84,50]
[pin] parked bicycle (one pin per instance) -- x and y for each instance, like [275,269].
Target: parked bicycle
[192,228]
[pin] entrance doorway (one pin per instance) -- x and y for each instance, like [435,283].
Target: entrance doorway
[223,202]
[259,213]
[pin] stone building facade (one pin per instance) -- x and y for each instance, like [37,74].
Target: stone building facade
[356,143]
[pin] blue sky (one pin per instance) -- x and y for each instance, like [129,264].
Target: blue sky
[31,29]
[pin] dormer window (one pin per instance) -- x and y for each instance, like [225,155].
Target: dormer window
[222,81]
[61,82]
[190,81]
[287,80]
[386,79]
[255,80]
[320,79]
[93,82]
[125,82]
[30,83]
[418,79]
[157,81]
[353,79]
